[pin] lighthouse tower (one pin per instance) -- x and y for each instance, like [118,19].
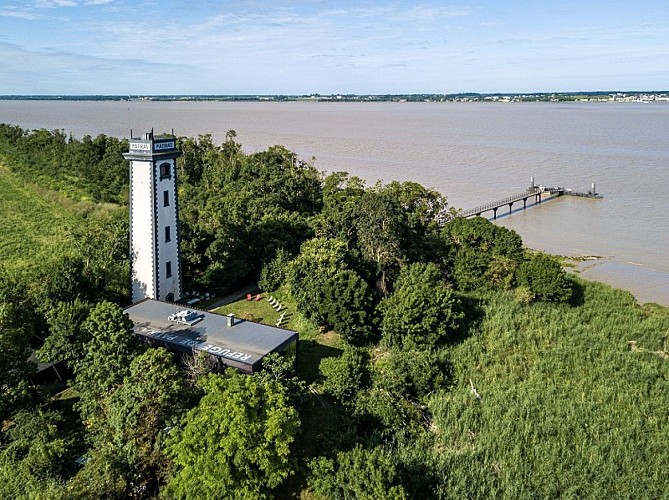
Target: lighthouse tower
[155,265]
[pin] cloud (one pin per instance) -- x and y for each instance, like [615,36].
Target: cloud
[49,72]
[52,4]
[249,45]
[492,24]
[11,11]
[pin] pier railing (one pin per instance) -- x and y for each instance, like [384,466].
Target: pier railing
[509,200]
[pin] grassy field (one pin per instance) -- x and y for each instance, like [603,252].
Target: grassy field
[33,227]
[568,406]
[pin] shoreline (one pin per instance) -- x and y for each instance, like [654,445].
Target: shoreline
[646,285]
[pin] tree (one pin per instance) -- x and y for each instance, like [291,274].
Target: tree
[359,473]
[16,328]
[235,443]
[102,245]
[66,341]
[280,368]
[543,275]
[424,210]
[242,209]
[60,279]
[275,272]
[423,309]
[279,232]
[409,373]
[318,261]
[329,292]
[341,195]
[482,255]
[126,458]
[31,464]
[139,414]
[345,375]
[106,360]
[196,365]
[347,306]
[381,236]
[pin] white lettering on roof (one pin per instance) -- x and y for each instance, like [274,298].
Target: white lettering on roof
[194,344]
[227,353]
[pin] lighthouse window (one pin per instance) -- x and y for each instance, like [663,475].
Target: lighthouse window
[167,234]
[166,198]
[168,269]
[165,171]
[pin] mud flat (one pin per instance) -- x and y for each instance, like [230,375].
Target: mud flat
[647,285]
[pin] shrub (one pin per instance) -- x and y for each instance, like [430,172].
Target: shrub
[543,275]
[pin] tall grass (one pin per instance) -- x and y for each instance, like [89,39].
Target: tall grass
[566,407]
[32,227]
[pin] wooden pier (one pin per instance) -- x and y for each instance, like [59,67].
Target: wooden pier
[532,191]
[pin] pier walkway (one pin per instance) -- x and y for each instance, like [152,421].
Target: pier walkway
[532,191]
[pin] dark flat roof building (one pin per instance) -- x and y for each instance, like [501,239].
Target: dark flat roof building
[234,342]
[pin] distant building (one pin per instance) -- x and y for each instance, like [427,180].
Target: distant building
[154,230]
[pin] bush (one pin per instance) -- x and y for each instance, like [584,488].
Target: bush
[483,255]
[544,277]
[359,473]
[345,375]
[274,273]
[423,309]
[413,373]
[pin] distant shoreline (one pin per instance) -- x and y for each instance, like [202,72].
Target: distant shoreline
[641,96]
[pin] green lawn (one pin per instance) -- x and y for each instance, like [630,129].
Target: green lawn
[33,227]
[314,344]
[258,310]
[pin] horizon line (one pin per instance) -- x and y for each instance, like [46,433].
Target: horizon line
[343,94]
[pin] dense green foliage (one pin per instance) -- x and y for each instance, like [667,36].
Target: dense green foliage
[443,360]
[235,443]
[346,375]
[238,211]
[422,311]
[16,330]
[482,255]
[85,169]
[329,291]
[359,473]
[544,277]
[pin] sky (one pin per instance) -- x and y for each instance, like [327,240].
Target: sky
[124,47]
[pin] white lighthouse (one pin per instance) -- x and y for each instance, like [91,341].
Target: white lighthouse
[155,265]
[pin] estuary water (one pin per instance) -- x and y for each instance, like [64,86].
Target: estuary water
[471,152]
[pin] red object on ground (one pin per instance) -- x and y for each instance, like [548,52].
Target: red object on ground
[248,296]
[258,297]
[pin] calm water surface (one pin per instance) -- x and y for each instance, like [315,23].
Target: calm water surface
[471,152]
